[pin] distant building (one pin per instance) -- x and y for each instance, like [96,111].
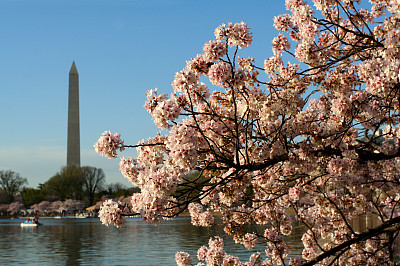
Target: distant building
[73,142]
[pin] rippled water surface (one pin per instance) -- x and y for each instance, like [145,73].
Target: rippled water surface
[88,242]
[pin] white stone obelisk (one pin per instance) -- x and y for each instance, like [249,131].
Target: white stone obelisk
[73,142]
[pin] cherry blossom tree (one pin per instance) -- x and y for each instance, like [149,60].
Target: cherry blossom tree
[3,208]
[56,207]
[42,208]
[314,142]
[15,207]
[73,205]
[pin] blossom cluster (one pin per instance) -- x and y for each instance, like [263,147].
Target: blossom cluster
[108,144]
[213,50]
[215,255]
[161,108]
[112,212]
[183,259]
[130,169]
[199,217]
[237,34]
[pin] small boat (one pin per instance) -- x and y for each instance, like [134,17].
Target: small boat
[82,215]
[30,223]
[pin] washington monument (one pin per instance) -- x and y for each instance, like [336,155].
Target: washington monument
[73,143]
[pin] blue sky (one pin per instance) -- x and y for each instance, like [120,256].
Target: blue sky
[121,49]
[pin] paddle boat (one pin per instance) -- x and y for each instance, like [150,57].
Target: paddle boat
[31,223]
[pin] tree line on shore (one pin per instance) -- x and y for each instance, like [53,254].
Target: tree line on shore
[71,189]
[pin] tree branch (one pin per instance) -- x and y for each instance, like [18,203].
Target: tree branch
[392,225]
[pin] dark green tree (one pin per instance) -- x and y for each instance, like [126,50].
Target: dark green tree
[31,196]
[116,189]
[11,183]
[66,184]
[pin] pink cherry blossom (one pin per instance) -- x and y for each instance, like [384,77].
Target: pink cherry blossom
[108,144]
[199,217]
[183,259]
[283,23]
[112,212]
[213,50]
[280,44]
[220,74]
[237,34]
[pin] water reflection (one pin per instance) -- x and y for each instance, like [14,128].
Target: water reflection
[88,242]
[362,223]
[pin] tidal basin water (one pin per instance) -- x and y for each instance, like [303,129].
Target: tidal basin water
[88,242]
